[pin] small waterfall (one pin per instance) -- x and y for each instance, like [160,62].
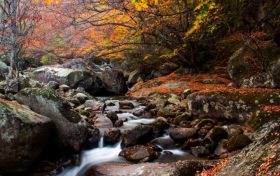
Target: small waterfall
[101,142]
[105,153]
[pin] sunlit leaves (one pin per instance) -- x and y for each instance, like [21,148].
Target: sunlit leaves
[207,15]
[143,4]
[48,1]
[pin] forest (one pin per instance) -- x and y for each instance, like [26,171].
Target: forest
[139,87]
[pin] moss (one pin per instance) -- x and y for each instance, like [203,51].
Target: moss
[47,93]
[3,104]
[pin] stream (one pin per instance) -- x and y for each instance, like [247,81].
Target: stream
[110,153]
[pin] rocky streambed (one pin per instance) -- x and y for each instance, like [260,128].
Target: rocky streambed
[51,124]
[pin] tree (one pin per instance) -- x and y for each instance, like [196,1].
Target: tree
[18,18]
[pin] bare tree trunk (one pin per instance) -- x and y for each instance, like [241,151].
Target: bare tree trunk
[13,38]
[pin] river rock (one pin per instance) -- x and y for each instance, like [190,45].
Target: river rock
[140,153]
[126,105]
[180,168]
[192,143]
[112,116]
[112,135]
[182,134]
[71,131]
[237,142]
[199,151]
[183,117]
[81,97]
[103,122]
[167,111]
[92,138]
[118,123]
[24,136]
[138,135]
[216,134]
[164,142]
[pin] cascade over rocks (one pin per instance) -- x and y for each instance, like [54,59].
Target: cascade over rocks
[70,129]
[24,136]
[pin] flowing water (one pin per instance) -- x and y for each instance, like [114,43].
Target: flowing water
[109,154]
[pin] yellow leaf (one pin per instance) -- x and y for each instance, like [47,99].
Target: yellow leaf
[48,1]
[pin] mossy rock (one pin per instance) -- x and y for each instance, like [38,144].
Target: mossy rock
[24,136]
[71,133]
[230,105]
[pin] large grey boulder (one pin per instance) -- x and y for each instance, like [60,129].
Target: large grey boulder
[71,77]
[71,131]
[24,136]
[104,80]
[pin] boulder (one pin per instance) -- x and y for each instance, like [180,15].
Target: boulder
[230,105]
[138,135]
[237,66]
[113,81]
[24,136]
[71,77]
[112,135]
[70,130]
[182,134]
[140,153]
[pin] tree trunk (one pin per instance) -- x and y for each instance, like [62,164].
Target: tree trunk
[13,38]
